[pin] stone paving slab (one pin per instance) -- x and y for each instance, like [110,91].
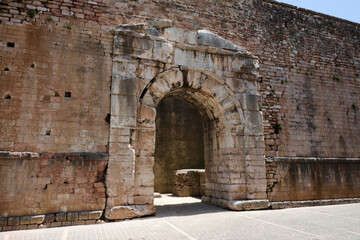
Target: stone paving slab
[195,220]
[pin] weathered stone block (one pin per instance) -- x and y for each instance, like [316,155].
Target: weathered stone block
[179,35]
[25,220]
[256,120]
[3,221]
[55,224]
[38,219]
[13,221]
[124,85]
[130,211]
[251,102]
[83,215]
[163,52]
[78,223]
[210,39]
[19,227]
[49,218]
[66,223]
[248,205]
[245,65]
[32,226]
[95,214]
[186,58]
[161,23]
[87,222]
[7,228]
[189,182]
[60,217]
[73,216]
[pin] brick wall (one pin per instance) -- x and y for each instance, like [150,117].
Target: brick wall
[33,183]
[55,85]
[294,179]
[51,50]
[306,59]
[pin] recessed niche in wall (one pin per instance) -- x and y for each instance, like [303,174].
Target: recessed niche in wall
[10,44]
[6,69]
[32,65]
[7,96]
[47,132]
[107,118]
[57,94]
[68,94]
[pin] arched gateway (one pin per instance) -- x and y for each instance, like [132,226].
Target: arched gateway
[153,61]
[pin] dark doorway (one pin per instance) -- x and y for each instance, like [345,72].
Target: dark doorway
[179,141]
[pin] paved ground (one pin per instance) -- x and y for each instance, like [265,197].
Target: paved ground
[195,220]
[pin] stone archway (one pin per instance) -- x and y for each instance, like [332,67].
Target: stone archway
[224,153]
[219,79]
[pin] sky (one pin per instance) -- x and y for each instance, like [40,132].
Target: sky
[345,9]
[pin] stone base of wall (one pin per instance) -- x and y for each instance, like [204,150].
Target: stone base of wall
[301,179]
[237,205]
[50,220]
[311,203]
[129,211]
[189,183]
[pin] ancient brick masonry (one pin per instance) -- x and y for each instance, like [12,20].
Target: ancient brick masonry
[189,182]
[64,95]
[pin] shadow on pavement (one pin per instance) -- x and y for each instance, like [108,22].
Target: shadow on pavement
[185,209]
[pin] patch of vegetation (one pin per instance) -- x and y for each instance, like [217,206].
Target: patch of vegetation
[69,26]
[277,128]
[50,18]
[335,78]
[31,13]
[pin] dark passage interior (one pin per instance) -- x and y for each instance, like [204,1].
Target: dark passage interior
[179,141]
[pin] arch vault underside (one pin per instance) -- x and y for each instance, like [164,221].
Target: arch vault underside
[156,60]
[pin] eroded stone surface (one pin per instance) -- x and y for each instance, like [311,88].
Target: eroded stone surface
[189,183]
[131,211]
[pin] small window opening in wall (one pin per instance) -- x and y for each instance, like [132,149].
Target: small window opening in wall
[7,96]
[32,65]
[6,69]
[10,44]
[47,132]
[68,94]
[107,118]
[57,94]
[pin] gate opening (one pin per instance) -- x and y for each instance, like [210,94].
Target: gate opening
[179,149]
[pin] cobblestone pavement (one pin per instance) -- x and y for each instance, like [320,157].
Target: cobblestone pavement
[195,220]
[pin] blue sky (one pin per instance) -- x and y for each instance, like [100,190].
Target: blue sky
[346,9]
